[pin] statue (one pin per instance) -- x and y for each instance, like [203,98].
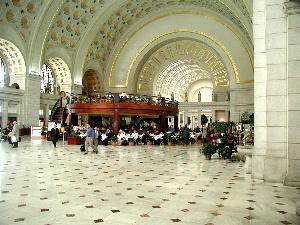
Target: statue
[228,97]
[172,96]
[199,96]
[186,97]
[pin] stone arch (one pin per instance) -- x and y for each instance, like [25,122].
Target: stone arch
[14,61]
[62,73]
[175,64]
[120,73]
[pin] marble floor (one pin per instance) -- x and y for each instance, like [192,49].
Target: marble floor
[157,185]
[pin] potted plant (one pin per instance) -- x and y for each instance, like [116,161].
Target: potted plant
[208,150]
[114,140]
[170,139]
[179,139]
[149,139]
[73,139]
[131,141]
[43,132]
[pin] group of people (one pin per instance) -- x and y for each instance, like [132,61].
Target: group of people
[11,134]
[95,136]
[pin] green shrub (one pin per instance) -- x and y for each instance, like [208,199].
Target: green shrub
[208,149]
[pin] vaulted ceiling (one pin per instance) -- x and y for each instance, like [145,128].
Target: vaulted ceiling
[89,31]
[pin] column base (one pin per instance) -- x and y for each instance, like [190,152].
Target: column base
[258,166]
[293,177]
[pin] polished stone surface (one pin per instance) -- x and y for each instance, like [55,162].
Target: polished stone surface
[156,185]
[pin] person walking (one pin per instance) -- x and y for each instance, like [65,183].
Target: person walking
[15,134]
[90,134]
[54,135]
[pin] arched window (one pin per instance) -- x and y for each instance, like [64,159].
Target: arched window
[47,81]
[3,73]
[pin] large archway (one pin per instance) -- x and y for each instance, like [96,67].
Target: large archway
[14,62]
[62,74]
[176,65]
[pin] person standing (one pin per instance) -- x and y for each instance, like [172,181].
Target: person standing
[96,137]
[15,133]
[90,134]
[54,135]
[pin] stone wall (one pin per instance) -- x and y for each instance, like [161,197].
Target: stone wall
[276,92]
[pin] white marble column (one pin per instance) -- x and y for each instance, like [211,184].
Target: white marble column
[199,118]
[293,76]
[260,87]
[4,113]
[270,60]
[31,101]
[185,121]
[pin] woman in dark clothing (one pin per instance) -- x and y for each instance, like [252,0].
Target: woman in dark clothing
[54,135]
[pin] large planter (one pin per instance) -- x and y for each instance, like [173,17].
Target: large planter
[43,136]
[149,143]
[113,143]
[170,143]
[207,157]
[130,143]
[73,140]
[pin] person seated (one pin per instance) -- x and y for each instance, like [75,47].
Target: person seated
[104,139]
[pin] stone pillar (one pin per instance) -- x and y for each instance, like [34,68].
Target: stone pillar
[260,87]
[4,113]
[270,99]
[116,121]
[176,123]
[227,119]
[46,114]
[213,118]
[185,122]
[31,101]
[293,155]
[199,118]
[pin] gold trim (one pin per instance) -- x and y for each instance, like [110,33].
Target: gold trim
[170,14]
[233,64]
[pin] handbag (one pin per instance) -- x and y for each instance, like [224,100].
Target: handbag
[13,139]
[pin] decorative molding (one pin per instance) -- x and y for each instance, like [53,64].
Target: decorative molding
[202,34]
[218,20]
